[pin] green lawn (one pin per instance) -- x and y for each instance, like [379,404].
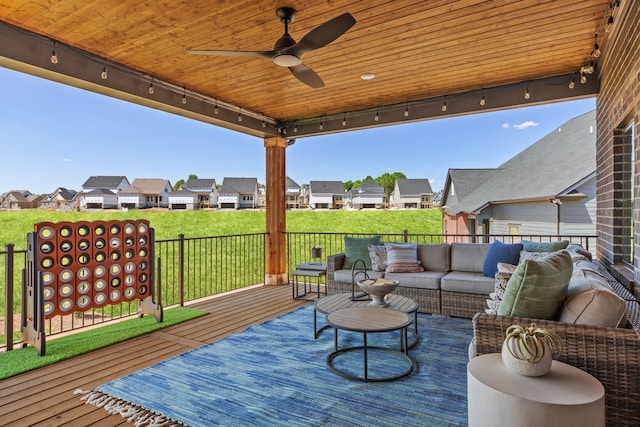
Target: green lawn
[14,226]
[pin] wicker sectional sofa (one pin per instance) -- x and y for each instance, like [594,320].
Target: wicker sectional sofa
[452,282]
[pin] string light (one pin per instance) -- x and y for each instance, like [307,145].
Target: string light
[572,83]
[527,94]
[184,95]
[406,110]
[483,101]
[321,123]
[596,48]
[583,78]
[264,124]
[215,107]
[104,74]
[344,119]
[239,114]
[295,127]
[377,117]
[54,56]
[444,104]
[151,87]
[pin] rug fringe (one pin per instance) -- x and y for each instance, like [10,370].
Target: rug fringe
[139,416]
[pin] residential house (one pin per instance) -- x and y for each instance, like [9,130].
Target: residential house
[183,200]
[145,193]
[238,193]
[326,194]
[304,195]
[411,193]
[547,189]
[61,198]
[292,191]
[20,199]
[106,196]
[206,190]
[368,195]
[100,198]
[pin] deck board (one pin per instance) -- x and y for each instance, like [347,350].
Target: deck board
[44,397]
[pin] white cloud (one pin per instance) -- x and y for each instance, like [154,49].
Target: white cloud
[67,160]
[506,126]
[524,125]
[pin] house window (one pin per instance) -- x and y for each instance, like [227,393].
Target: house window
[629,141]
[514,229]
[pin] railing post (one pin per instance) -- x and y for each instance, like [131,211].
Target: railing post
[406,236]
[181,268]
[8,297]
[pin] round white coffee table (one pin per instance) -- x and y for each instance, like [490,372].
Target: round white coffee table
[565,397]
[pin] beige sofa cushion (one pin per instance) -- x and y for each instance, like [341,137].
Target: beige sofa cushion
[344,275]
[469,256]
[423,280]
[591,301]
[434,257]
[464,281]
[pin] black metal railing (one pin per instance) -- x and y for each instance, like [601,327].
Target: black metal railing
[188,269]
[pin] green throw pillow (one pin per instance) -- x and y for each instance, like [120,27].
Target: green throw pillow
[538,287]
[544,246]
[358,248]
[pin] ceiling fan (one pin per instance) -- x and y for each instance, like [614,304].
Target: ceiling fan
[287,53]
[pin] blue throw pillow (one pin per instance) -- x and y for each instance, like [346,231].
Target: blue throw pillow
[500,252]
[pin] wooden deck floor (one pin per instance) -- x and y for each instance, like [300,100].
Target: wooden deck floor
[44,397]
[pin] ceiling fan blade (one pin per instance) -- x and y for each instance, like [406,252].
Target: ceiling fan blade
[307,76]
[323,34]
[266,54]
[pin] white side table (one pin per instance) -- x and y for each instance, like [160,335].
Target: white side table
[565,397]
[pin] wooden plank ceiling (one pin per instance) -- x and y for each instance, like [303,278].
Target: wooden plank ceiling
[417,49]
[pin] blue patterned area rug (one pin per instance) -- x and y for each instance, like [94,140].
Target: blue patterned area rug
[275,374]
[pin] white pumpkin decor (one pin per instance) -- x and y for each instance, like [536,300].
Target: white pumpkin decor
[530,351]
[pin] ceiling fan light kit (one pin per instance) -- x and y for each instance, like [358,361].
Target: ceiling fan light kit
[289,53]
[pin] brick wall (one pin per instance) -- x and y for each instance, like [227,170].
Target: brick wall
[618,106]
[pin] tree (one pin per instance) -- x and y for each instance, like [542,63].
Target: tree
[388,181]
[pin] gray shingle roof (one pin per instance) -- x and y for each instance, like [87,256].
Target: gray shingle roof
[239,185]
[146,186]
[549,167]
[291,183]
[414,187]
[200,183]
[104,181]
[326,187]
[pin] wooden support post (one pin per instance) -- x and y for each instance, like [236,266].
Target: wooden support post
[275,250]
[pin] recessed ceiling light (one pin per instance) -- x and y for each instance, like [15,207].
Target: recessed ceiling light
[368,76]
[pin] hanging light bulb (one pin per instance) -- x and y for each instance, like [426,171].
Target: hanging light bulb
[609,24]
[406,111]
[527,94]
[184,96]
[344,119]
[295,127]
[151,88]
[583,78]
[596,48]
[240,114]
[444,106]
[377,117]
[215,107]
[572,83]
[321,125]
[104,74]
[54,56]
[482,100]
[264,124]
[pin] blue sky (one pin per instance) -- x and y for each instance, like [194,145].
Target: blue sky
[54,135]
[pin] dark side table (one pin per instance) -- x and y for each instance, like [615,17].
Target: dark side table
[303,276]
